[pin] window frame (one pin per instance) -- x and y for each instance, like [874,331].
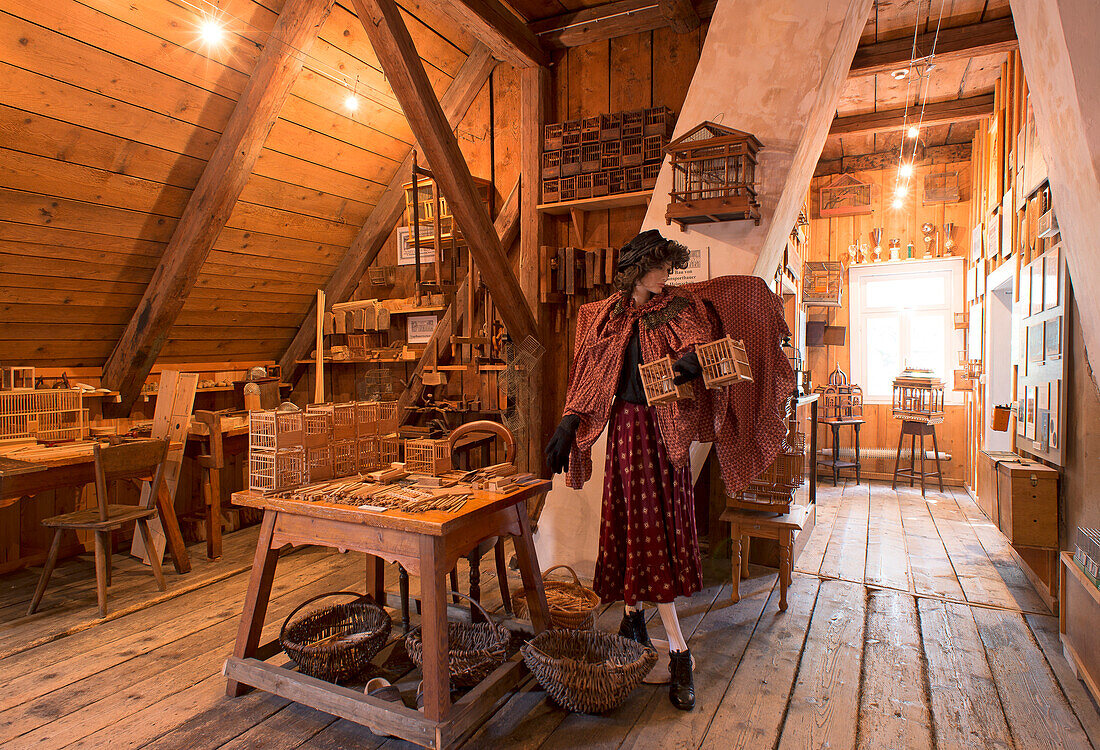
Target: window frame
[860,275]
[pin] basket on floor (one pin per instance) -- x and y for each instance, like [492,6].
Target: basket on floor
[474,650]
[589,671]
[571,603]
[335,642]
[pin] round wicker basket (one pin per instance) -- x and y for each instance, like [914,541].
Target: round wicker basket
[571,603]
[474,650]
[335,642]
[589,671]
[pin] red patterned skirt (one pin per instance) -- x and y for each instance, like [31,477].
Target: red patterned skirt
[649,549]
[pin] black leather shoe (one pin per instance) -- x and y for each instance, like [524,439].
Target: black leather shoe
[633,627]
[681,689]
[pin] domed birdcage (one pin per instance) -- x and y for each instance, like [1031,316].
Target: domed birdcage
[842,399]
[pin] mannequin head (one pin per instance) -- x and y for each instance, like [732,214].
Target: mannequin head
[646,261]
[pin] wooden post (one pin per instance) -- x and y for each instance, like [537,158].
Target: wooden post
[405,72]
[213,198]
[319,375]
[533,97]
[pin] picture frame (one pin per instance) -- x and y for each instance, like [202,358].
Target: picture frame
[406,253]
[419,328]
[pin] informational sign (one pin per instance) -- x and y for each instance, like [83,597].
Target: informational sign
[698,268]
[406,254]
[419,328]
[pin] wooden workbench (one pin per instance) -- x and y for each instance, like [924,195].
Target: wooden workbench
[426,544]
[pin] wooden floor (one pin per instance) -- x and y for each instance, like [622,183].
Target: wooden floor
[910,626]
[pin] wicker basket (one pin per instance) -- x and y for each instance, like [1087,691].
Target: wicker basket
[587,670]
[571,603]
[473,650]
[336,642]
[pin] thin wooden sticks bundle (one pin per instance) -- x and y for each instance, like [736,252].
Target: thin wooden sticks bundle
[359,490]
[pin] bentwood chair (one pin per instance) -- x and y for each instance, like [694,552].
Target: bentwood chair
[141,460]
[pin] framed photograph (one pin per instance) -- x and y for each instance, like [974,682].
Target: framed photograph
[1052,337]
[1035,342]
[1042,415]
[406,253]
[1055,414]
[1052,296]
[1021,413]
[1037,280]
[1029,424]
[419,328]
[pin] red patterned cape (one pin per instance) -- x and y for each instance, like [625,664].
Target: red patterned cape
[745,422]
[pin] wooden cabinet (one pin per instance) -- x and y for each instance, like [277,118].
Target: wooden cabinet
[1027,503]
[987,480]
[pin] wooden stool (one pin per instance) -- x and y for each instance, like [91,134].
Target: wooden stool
[916,429]
[835,463]
[764,525]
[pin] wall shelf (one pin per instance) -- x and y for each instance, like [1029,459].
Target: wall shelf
[578,209]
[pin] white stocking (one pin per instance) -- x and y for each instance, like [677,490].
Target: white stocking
[633,608]
[671,622]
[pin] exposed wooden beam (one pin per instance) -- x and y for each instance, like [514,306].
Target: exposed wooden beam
[214,197]
[951,153]
[534,95]
[387,212]
[680,14]
[507,229]
[608,21]
[500,30]
[405,71]
[974,40]
[936,113]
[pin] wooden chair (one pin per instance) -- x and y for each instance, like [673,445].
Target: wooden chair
[143,460]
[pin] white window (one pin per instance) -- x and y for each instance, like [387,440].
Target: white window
[903,315]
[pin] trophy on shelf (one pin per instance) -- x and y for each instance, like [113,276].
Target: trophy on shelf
[864,255]
[948,238]
[895,248]
[929,231]
[876,237]
[852,250]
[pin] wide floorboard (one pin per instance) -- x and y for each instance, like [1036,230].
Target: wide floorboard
[910,625]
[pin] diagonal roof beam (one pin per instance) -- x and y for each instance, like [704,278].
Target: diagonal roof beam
[387,212]
[214,197]
[610,20]
[935,113]
[955,43]
[680,14]
[499,29]
[394,47]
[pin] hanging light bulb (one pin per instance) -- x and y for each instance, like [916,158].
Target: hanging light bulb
[212,31]
[351,103]
[898,203]
[900,191]
[913,131]
[906,170]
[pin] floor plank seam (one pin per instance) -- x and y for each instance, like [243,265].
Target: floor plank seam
[863,663]
[926,677]
[798,669]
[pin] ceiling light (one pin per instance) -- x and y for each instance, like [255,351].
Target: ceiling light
[898,203]
[900,74]
[351,103]
[906,170]
[900,191]
[212,31]
[913,131]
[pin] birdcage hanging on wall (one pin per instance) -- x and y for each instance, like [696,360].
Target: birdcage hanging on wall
[845,196]
[713,176]
[822,283]
[842,400]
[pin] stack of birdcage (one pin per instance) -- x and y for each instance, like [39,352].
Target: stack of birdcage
[774,488]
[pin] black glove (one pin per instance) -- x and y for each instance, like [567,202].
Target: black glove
[687,368]
[557,450]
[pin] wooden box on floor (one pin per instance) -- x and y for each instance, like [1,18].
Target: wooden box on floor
[1027,504]
[987,480]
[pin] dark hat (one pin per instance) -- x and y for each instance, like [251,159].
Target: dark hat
[642,245]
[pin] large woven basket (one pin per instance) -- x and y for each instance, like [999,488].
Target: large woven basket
[474,650]
[587,670]
[571,603]
[336,642]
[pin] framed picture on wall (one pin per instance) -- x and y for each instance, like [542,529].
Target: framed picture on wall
[1029,424]
[1021,412]
[419,328]
[993,234]
[1025,293]
[1051,287]
[1037,281]
[1055,413]
[976,235]
[1007,215]
[1035,343]
[1052,338]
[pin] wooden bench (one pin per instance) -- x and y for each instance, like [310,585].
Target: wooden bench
[745,524]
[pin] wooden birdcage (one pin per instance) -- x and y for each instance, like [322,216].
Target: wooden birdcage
[319,463]
[822,281]
[16,378]
[276,470]
[425,193]
[343,419]
[552,136]
[713,176]
[387,417]
[368,455]
[918,397]
[724,362]
[845,196]
[659,121]
[367,415]
[345,458]
[657,381]
[382,275]
[428,456]
[841,400]
[275,430]
[773,489]
[45,415]
[317,428]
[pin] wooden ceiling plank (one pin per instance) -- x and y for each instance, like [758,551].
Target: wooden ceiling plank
[608,21]
[214,197]
[500,30]
[405,72]
[952,44]
[680,15]
[971,108]
[387,212]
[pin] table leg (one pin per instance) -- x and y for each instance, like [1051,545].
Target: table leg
[530,572]
[475,584]
[897,458]
[784,567]
[836,452]
[735,542]
[936,448]
[502,575]
[172,533]
[256,598]
[912,458]
[433,629]
[746,553]
[214,515]
[921,464]
[857,426]
[813,452]
[403,585]
[101,571]
[376,579]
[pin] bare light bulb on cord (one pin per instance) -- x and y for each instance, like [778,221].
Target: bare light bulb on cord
[212,31]
[913,131]
[351,103]
[898,203]
[906,170]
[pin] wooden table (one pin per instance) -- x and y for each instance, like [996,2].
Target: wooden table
[22,479]
[835,463]
[766,525]
[426,544]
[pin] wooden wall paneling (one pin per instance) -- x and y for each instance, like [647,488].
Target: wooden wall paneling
[630,86]
[673,61]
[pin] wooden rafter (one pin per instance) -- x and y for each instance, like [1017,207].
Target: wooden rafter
[680,14]
[936,113]
[214,197]
[438,346]
[608,21]
[951,153]
[405,71]
[387,212]
[955,43]
[500,30]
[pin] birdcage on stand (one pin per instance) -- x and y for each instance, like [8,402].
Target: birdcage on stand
[842,400]
[713,176]
[918,397]
[724,362]
[657,381]
[428,456]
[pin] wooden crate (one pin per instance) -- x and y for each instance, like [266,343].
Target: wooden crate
[631,155]
[551,163]
[552,136]
[551,191]
[610,154]
[659,121]
[276,470]
[724,362]
[427,456]
[611,126]
[275,430]
[1027,503]
[657,382]
[590,156]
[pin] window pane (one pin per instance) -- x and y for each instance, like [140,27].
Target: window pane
[883,353]
[911,292]
[927,345]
